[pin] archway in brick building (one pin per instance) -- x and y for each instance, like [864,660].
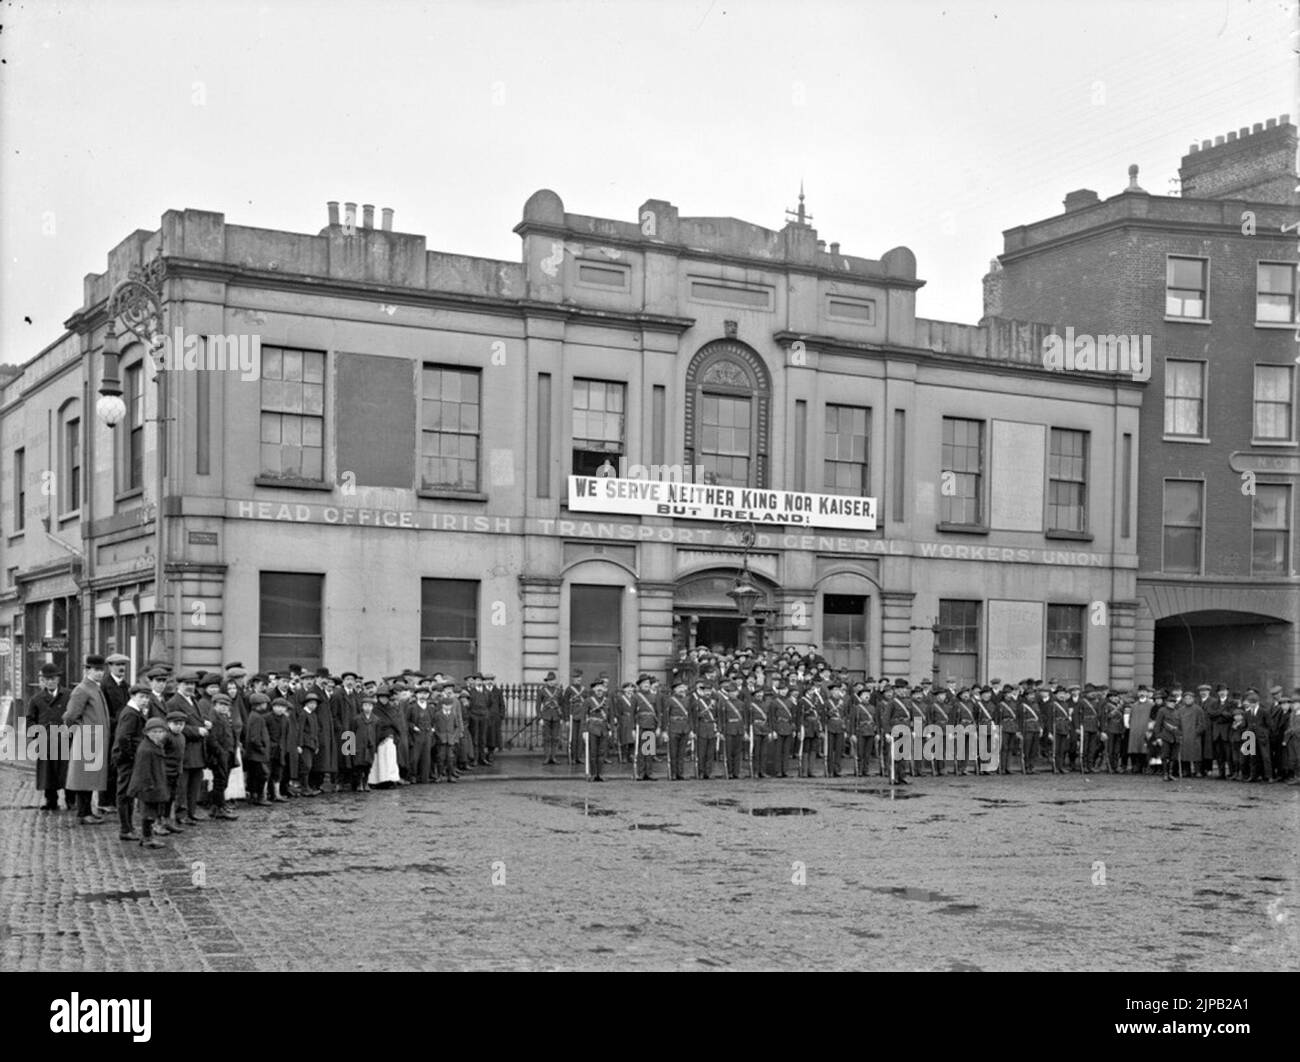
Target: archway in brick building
[1217,645]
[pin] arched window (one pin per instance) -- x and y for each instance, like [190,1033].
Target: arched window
[728,414]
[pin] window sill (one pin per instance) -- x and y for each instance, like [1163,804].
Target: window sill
[127,495]
[962,529]
[293,484]
[1286,443]
[1281,326]
[17,536]
[1073,536]
[69,517]
[452,495]
[1187,320]
[1185,439]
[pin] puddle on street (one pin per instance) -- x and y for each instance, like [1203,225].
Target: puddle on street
[125,894]
[585,806]
[721,802]
[906,892]
[763,812]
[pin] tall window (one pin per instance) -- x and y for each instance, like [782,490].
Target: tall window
[289,620]
[133,441]
[1185,398]
[962,473]
[71,485]
[20,489]
[449,429]
[448,626]
[1182,525]
[728,402]
[1065,642]
[844,632]
[1067,487]
[725,439]
[1275,292]
[596,630]
[1270,524]
[1185,287]
[848,431]
[1273,420]
[598,427]
[293,413]
[959,640]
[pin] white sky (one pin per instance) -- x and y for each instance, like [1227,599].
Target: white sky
[934,125]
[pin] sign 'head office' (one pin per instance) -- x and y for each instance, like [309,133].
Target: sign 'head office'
[696,501]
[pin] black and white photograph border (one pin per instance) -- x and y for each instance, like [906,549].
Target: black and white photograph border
[773,487]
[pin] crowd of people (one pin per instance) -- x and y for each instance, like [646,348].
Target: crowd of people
[174,742]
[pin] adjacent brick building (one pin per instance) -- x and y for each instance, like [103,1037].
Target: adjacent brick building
[1210,277]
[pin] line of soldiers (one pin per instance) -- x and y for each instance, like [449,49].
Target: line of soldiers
[293,734]
[752,723]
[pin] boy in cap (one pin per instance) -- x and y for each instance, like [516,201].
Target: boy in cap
[149,781]
[130,732]
[278,730]
[308,741]
[257,748]
[174,748]
[447,729]
[363,753]
[220,755]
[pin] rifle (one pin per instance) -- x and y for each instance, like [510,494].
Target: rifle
[586,753]
[636,751]
[717,749]
[751,751]
[826,754]
[512,737]
[798,754]
[1083,749]
[569,744]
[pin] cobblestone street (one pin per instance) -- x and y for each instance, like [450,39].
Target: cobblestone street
[954,874]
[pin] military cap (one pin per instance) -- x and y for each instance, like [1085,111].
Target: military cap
[260,676]
[1252,696]
[367,698]
[117,658]
[550,677]
[281,701]
[48,671]
[601,680]
[94,660]
[629,685]
[1204,686]
[154,724]
[235,672]
[488,677]
[1275,691]
[643,677]
[234,664]
[678,682]
[295,669]
[176,717]
[576,673]
[1072,687]
[900,683]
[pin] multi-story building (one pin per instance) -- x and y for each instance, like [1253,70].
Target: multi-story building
[1207,279]
[381,456]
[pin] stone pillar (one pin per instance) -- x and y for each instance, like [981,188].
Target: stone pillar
[794,622]
[896,635]
[656,625]
[1144,645]
[541,633]
[1123,645]
[199,643]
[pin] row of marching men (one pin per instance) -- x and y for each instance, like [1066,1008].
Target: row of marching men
[749,724]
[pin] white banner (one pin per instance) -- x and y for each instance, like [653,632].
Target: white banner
[696,501]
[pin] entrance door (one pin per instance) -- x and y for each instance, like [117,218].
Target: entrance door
[596,631]
[713,632]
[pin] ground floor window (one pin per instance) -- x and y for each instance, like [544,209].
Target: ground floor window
[289,623]
[1065,643]
[596,631]
[959,641]
[448,626]
[844,633]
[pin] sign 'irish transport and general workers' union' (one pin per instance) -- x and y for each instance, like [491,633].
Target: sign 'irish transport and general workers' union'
[696,501]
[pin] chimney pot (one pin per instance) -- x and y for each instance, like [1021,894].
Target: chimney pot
[1284,120]
[1258,127]
[350,215]
[1206,144]
[387,213]
[1218,140]
[821,245]
[333,207]
[1232,137]
[367,216]
[1194,149]
[1244,130]
[1271,123]
[835,248]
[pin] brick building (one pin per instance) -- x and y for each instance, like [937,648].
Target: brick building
[391,485]
[1210,277]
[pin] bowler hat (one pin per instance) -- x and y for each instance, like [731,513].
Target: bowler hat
[48,671]
[94,660]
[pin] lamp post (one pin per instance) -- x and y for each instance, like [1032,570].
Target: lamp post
[137,302]
[745,594]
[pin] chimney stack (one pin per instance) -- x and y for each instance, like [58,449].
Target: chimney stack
[835,248]
[333,207]
[1253,163]
[387,213]
[367,216]
[1080,198]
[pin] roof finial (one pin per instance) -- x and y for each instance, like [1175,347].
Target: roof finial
[800,216]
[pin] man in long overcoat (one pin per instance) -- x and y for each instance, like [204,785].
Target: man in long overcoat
[44,710]
[87,713]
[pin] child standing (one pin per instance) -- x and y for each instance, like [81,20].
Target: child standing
[149,780]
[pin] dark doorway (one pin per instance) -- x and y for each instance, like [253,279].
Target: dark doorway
[713,631]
